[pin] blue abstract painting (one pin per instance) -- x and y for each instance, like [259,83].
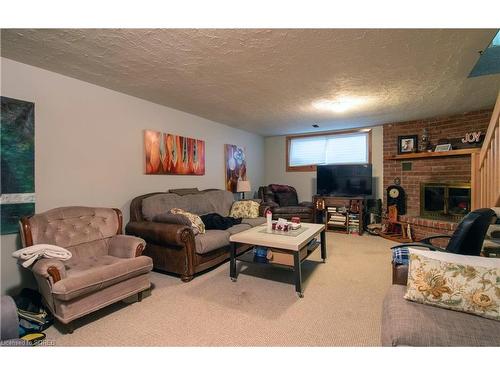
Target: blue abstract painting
[17,150]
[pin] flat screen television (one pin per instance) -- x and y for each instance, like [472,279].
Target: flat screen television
[345,180]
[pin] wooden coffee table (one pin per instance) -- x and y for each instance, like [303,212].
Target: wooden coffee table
[289,242]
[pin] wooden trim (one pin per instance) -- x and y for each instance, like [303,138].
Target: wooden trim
[487,177]
[138,250]
[312,168]
[54,273]
[422,155]
[120,221]
[474,188]
[26,231]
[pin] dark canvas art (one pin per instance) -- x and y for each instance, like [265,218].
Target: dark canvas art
[17,150]
[235,166]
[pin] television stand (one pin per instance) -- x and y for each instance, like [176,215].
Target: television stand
[354,212]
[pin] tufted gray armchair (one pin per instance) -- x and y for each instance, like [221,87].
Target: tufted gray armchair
[105,267]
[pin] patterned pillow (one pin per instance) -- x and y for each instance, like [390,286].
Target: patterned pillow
[461,285]
[245,209]
[195,220]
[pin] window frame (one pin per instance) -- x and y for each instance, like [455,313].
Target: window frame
[312,167]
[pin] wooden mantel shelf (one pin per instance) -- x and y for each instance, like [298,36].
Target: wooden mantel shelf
[421,155]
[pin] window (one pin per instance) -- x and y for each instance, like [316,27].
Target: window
[487,62]
[304,152]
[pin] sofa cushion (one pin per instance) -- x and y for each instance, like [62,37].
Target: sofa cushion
[277,188]
[202,203]
[287,198]
[406,323]
[194,219]
[254,222]
[211,240]
[245,209]
[87,275]
[220,201]
[457,282]
[184,191]
[238,228]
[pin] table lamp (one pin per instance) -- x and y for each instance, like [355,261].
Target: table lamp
[243,186]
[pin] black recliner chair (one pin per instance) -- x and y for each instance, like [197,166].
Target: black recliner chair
[467,239]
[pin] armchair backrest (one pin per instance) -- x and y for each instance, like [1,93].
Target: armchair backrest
[266,195]
[270,194]
[84,231]
[469,236]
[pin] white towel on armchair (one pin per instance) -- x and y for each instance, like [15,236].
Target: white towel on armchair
[32,253]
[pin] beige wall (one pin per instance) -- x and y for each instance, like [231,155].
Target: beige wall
[88,146]
[305,182]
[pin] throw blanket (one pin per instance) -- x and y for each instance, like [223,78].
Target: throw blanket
[32,253]
[216,221]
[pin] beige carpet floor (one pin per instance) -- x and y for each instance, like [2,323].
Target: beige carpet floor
[341,307]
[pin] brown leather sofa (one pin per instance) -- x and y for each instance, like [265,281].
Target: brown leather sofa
[284,203]
[105,266]
[174,247]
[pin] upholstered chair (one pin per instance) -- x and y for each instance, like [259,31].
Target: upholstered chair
[105,266]
[284,203]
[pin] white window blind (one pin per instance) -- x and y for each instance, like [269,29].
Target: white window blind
[329,149]
[307,151]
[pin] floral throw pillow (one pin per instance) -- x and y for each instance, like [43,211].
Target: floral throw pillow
[457,286]
[245,209]
[195,220]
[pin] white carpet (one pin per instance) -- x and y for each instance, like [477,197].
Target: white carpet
[341,307]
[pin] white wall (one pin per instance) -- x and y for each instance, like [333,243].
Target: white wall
[305,182]
[89,147]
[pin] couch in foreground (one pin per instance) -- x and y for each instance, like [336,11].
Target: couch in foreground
[407,323]
[105,266]
[175,247]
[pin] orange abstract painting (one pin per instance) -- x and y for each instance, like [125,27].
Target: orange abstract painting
[172,154]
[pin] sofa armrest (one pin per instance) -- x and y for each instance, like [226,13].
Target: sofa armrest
[124,246]
[263,208]
[161,233]
[306,204]
[52,269]
[270,204]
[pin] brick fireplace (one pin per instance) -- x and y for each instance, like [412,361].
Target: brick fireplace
[456,169]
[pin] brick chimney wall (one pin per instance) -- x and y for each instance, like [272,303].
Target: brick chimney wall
[443,169]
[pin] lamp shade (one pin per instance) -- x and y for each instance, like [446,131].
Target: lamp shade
[243,186]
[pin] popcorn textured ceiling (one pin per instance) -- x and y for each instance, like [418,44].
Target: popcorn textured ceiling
[265,81]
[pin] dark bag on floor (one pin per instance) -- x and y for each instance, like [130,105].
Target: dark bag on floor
[33,316]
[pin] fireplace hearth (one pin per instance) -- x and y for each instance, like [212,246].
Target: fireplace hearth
[444,201]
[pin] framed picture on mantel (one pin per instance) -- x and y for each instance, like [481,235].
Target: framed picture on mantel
[407,144]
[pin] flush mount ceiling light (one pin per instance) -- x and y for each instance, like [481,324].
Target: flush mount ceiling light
[339,105]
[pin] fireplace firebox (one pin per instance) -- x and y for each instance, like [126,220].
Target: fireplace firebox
[444,201]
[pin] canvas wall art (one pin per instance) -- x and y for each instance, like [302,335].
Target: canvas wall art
[172,154]
[17,150]
[235,165]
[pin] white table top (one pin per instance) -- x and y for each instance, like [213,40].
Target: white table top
[254,236]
